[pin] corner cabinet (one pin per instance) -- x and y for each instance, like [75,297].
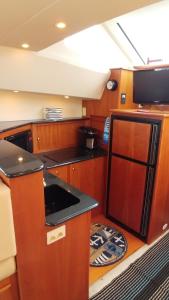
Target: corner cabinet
[138,184]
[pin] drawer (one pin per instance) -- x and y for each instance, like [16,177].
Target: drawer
[61,172]
[131,139]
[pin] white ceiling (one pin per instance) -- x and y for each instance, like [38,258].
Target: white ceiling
[34,21]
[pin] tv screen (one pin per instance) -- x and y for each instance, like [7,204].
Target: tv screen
[151,86]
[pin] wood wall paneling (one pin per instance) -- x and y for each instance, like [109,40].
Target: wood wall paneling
[112,99]
[52,136]
[159,218]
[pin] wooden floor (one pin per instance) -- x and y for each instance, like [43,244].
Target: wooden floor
[133,245]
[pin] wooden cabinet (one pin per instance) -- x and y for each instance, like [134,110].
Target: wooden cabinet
[61,172]
[45,137]
[59,270]
[88,176]
[138,172]
[9,289]
[59,135]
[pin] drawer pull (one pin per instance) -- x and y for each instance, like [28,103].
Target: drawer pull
[38,139]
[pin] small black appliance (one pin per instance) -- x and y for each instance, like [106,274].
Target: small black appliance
[88,137]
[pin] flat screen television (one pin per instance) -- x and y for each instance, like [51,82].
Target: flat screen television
[151,86]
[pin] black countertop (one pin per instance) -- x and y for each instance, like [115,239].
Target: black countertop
[66,156]
[85,204]
[7,125]
[14,161]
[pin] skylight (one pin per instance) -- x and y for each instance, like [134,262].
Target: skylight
[92,49]
[147,29]
[137,38]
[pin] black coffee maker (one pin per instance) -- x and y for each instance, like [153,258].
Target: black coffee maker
[88,137]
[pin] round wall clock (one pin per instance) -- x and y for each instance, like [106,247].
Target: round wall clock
[112,85]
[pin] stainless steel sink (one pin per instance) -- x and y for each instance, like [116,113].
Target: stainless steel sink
[57,198]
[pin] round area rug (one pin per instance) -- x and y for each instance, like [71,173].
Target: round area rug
[107,245]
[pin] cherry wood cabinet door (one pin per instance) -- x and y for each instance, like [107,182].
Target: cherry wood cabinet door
[131,139]
[61,172]
[90,177]
[126,192]
[45,137]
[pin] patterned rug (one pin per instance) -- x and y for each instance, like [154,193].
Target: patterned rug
[107,245]
[146,278]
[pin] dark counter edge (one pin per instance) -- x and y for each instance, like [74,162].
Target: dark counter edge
[11,167]
[17,124]
[86,202]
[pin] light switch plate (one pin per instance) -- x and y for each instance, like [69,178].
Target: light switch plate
[56,234]
[123,98]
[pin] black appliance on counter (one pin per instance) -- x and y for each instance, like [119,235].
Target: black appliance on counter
[88,137]
[22,139]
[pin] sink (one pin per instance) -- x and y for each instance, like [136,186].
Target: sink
[57,198]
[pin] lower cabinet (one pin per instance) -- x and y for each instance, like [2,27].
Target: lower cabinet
[61,172]
[9,289]
[67,262]
[88,176]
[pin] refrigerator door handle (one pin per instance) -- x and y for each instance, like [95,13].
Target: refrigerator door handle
[147,201]
[154,144]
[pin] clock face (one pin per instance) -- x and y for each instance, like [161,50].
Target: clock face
[111,85]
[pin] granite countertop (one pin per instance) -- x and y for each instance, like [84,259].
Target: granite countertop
[66,156]
[85,203]
[14,161]
[7,125]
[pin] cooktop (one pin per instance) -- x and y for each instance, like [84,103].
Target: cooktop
[67,154]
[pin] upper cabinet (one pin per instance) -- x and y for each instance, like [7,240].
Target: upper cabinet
[53,136]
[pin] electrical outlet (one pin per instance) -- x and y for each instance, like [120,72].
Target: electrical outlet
[56,234]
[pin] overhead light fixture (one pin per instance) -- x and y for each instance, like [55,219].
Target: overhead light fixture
[66,97]
[20,158]
[25,45]
[60,25]
[15,91]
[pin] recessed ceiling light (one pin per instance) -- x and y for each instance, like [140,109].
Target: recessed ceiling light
[25,45]
[60,25]
[66,97]
[20,158]
[16,91]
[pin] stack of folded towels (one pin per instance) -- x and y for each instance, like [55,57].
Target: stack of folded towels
[53,113]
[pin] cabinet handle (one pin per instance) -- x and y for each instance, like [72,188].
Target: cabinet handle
[73,169]
[57,172]
[38,138]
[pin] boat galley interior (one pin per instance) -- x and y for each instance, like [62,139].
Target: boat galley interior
[84,149]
